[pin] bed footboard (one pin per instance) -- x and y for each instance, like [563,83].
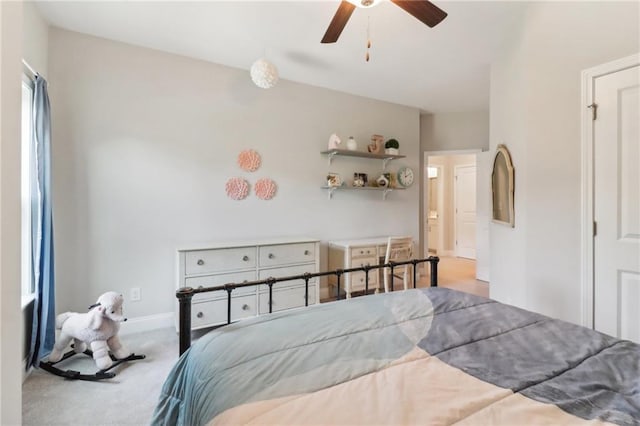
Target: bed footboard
[185,294]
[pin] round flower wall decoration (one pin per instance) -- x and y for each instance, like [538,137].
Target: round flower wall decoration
[237,188]
[265,188]
[249,160]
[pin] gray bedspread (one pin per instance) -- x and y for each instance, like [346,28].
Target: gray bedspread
[339,362]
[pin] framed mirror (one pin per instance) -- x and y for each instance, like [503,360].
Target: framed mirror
[502,187]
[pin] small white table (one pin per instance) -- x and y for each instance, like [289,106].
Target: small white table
[344,254]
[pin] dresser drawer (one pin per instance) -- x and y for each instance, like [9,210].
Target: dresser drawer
[229,259]
[286,272]
[214,312]
[215,280]
[287,298]
[357,280]
[363,261]
[364,252]
[286,254]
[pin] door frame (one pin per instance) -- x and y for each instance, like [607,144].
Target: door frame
[439,244]
[425,158]
[588,78]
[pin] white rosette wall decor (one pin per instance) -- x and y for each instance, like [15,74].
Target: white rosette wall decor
[237,188]
[265,188]
[264,74]
[249,160]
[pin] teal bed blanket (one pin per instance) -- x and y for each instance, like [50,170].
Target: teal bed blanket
[441,356]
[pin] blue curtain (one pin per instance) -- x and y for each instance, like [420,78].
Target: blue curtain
[43,329]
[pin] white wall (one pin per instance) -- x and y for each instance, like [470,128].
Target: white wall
[484,164]
[535,111]
[10,318]
[144,142]
[35,38]
[455,131]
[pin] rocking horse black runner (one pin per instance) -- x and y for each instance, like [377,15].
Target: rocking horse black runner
[76,375]
[98,329]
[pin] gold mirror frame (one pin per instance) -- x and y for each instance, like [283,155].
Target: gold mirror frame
[502,187]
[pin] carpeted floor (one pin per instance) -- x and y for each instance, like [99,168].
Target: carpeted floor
[127,399]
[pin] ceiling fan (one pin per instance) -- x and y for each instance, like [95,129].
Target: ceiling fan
[423,10]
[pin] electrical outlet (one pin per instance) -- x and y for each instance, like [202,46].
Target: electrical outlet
[134,295]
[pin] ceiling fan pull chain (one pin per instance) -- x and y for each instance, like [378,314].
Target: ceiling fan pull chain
[368,39]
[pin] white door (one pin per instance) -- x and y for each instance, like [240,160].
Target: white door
[617,204]
[465,211]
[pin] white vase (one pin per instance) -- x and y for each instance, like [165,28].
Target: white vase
[352,145]
[391,151]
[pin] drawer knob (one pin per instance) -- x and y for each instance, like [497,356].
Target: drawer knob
[271,255]
[245,258]
[245,307]
[361,252]
[307,253]
[199,314]
[200,262]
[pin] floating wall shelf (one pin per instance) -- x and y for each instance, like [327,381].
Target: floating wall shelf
[346,153]
[385,191]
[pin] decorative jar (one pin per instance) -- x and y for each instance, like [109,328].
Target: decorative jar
[352,145]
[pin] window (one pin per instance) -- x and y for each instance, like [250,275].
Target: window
[25,190]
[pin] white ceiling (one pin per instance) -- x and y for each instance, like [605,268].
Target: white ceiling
[441,69]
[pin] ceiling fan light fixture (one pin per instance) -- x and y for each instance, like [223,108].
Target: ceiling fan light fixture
[264,74]
[364,3]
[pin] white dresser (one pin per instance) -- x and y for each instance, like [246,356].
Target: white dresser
[222,263]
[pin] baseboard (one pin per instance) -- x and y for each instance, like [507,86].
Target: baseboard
[148,323]
[482,274]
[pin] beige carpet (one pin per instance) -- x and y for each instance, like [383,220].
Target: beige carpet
[127,399]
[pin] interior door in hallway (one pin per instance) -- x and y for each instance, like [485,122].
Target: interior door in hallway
[616,145]
[465,211]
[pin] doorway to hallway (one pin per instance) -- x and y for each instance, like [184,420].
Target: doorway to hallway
[456,210]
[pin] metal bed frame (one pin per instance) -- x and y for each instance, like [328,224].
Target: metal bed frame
[185,294]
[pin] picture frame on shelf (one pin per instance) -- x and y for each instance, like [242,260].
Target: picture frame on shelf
[334,180]
[360,180]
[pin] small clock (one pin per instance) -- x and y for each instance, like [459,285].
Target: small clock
[405,176]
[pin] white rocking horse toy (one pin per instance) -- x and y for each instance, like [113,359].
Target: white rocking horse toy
[97,328]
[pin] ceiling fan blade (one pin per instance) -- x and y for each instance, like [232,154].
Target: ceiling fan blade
[423,10]
[338,22]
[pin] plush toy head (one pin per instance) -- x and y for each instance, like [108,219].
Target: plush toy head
[110,304]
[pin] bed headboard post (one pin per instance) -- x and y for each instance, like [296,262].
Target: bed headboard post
[433,261]
[184,295]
